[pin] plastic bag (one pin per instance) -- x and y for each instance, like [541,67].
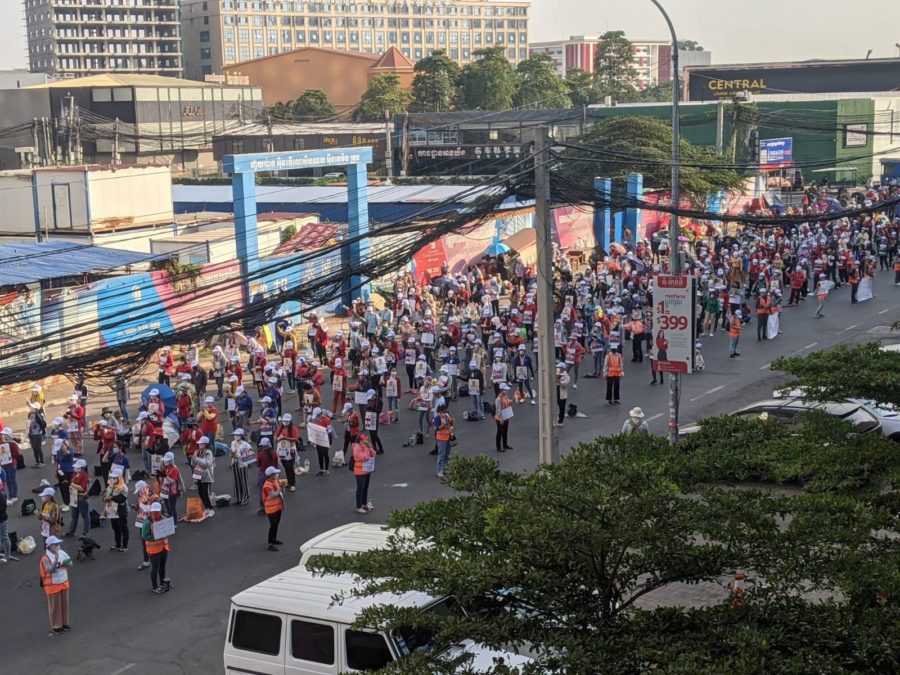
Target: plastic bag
[26,546]
[338,459]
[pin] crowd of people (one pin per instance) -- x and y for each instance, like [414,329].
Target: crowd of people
[435,351]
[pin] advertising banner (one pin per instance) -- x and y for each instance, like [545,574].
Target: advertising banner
[674,322]
[776,153]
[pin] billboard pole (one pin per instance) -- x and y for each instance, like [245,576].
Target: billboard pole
[674,225]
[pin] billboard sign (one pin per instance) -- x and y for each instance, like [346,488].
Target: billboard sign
[674,322]
[776,153]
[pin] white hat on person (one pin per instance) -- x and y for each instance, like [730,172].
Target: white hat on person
[272,470]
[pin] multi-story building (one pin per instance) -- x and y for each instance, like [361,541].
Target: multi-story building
[72,38]
[218,33]
[652,58]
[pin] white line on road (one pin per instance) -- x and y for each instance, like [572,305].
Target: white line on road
[765,367]
[710,391]
[851,327]
[885,311]
[400,485]
[124,668]
[809,346]
[655,417]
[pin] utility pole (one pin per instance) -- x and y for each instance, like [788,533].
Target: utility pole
[720,126]
[404,147]
[548,439]
[388,146]
[37,146]
[116,159]
[674,225]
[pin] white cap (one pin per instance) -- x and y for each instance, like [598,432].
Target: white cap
[51,540]
[473,364]
[503,386]
[265,442]
[266,399]
[370,393]
[272,470]
[141,415]
[286,417]
[169,457]
[316,411]
[57,421]
[6,431]
[237,432]
[239,390]
[347,408]
[338,363]
[204,440]
[48,492]
[36,387]
[232,378]
[635,412]
[155,507]
[140,485]
[209,399]
[154,392]
[80,464]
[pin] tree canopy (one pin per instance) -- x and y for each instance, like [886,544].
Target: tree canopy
[312,105]
[689,46]
[863,371]
[539,85]
[627,144]
[383,95]
[580,85]
[614,71]
[434,84]
[489,83]
[587,564]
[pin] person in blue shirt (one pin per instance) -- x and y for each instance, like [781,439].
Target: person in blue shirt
[273,391]
[244,406]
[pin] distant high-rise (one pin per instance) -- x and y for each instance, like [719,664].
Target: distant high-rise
[219,33]
[72,38]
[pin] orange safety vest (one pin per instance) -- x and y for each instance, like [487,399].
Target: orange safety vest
[271,503]
[615,365]
[443,433]
[897,265]
[734,330]
[762,306]
[47,579]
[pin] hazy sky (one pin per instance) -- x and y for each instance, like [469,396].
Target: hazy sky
[735,30]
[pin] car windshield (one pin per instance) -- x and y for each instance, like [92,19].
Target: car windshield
[883,409]
[409,639]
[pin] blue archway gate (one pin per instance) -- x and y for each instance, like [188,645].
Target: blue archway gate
[243,170]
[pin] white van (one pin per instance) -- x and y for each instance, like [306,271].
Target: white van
[287,625]
[349,538]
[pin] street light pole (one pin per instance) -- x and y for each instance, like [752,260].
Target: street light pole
[674,225]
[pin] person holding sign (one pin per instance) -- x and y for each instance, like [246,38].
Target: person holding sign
[171,483]
[443,432]
[392,390]
[203,467]
[286,437]
[502,417]
[273,503]
[362,464]
[320,433]
[116,510]
[374,407]
[338,385]
[54,567]
[156,542]
[241,457]
[476,389]
[81,508]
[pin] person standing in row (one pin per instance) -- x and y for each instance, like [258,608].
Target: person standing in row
[81,506]
[265,458]
[145,498]
[286,437]
[172,484]
[502,415]
[49,514]
[157,550]
[613,372]
[115,505]
[443,433]
[734,333]
[241,457]
[37,428]
[562,391]
[203,465]
[273,503]
[9,460]
[54,570]
[362,464]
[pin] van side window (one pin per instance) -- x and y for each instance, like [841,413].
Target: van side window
[254,632]
[312,642]
[366,651]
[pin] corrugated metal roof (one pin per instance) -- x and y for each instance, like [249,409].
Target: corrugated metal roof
[122,80]
[31,262]
[381,194]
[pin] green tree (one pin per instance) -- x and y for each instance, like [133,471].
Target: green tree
[862,371]
[573,561]
[488,83]
[539,85]
[622,145]
[434,84]
[313,104]
[689,46]
[656,93]
[614,71]
[384,94]
[580,85]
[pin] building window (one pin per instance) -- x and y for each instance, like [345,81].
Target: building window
[511,54]
[243,35]
[299,20]
[245,53]
[523,53]
[257,35]
[286,36]
[273,51]
[379,37]
[341,37]
[229,35]
[417,38]
[301,36]
[205,53]
[273,36]
[313,36]
[354,37]
[229,54]
[326,36]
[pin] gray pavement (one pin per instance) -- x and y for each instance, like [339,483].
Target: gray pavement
[119,626]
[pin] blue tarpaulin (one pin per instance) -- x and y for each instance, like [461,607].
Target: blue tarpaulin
[34,262]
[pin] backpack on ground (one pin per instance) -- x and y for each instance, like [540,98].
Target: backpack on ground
[95,518]
[572,410]
[28,507]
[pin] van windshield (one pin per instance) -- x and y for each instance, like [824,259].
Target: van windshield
[409,639]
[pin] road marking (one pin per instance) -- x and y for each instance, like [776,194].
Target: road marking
[851,327]
[124,668]
[655,417]
[809,346]
[765,367]
[708,392]
[885,311]
[400,485]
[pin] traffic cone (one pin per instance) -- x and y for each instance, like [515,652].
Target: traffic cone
[737,590]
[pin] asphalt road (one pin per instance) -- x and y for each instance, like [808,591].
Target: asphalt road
[119,626]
